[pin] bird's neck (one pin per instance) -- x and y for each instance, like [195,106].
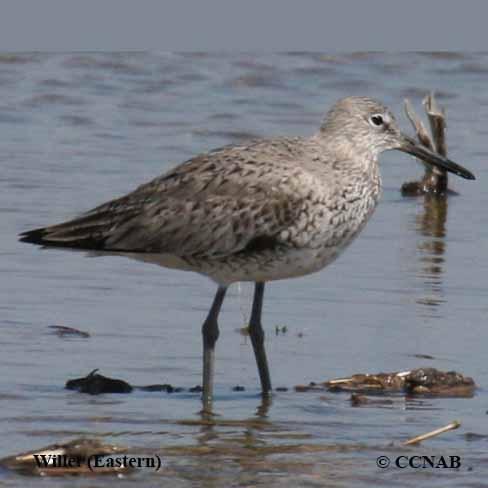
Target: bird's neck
[346,149]
[344,157]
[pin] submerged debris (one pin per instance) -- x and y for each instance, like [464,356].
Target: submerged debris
[430,381]
[358,400]
[423,356]
[166,387]
[244,331]
[473,436]
[310,387]
[281,330]
[434,180]
[421,381]
[369,383]
[62,331]
[69,458]
[95,384]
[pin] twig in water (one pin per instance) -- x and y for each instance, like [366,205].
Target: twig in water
[434,180]
[428,435]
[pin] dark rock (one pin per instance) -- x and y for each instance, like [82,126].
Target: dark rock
[95,384]
[167,388]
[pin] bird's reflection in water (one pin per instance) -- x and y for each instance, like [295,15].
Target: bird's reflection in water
[209,422]
[222,446]
[263,408]
[219,451]
[431,225]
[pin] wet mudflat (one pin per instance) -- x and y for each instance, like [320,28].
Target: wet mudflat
[409,293]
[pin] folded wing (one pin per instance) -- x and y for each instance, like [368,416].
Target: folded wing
[212,206]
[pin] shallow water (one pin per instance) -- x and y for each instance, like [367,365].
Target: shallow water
[79,129]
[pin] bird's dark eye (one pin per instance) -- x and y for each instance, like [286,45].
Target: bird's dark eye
[376,120]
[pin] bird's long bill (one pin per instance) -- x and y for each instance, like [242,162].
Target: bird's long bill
[410,146]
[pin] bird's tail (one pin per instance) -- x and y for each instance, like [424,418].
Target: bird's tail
[86,232]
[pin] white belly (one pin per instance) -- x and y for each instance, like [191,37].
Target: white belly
[311,248]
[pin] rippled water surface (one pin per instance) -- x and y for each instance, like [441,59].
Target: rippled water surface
[79,129]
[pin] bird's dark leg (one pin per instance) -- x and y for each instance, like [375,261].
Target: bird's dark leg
[210,333]
[257,338]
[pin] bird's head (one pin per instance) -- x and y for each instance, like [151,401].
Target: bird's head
[366,126]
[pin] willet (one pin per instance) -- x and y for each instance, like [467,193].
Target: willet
[266,210]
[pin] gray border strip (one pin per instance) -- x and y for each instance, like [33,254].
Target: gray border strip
[63,25]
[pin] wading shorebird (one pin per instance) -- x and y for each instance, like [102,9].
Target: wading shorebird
[266,210]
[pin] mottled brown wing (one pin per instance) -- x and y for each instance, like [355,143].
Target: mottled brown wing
[216,226]
[211,206]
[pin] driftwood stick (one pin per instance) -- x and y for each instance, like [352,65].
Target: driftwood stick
[415,440]
[339,381]
[434,180]
[437,120]
[419,127]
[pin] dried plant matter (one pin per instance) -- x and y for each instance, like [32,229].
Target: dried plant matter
[420,381]
[79,449]
[435,179]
